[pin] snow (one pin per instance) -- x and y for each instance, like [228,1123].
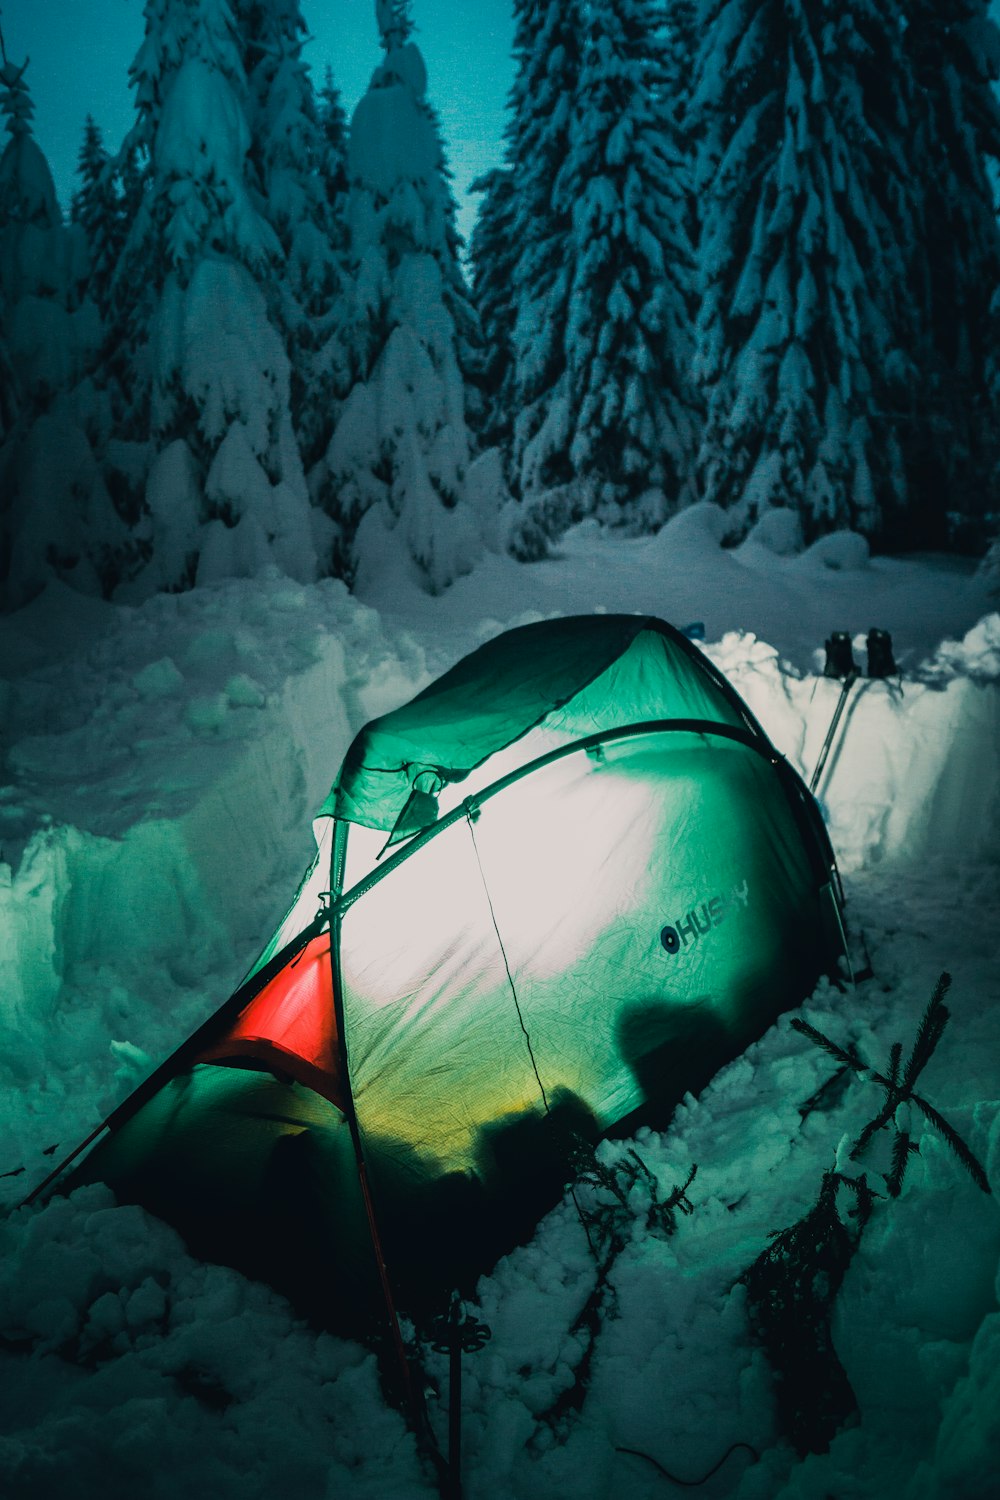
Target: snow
[162,760]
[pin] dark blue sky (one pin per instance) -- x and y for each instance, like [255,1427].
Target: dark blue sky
[80,51]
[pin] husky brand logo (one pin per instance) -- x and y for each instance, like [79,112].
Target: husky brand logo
[702,918]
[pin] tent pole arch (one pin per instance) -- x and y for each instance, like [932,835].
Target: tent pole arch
[758,742]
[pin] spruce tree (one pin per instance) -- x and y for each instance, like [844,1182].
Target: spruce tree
[952,446]
[99,210]
[91,162]
[56,519]
[209,376]
[290,154]
[397,460]
[493,254]
[629,427]
[36,267]
[805,333]
[680,59]
[333,124]
[548,43]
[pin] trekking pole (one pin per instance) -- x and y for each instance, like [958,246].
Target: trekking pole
[455,1334]
[839,663]
[845,689]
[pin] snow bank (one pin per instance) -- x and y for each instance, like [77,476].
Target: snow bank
[913,771]
[152,1374]
[156,819]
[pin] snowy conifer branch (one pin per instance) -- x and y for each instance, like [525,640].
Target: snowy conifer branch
[895,1054]
[826,1044]
[899,1092]
[929,1032]
[969,1160]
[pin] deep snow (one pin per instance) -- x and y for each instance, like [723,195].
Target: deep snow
[161,763]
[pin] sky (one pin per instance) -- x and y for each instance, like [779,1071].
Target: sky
[80,52]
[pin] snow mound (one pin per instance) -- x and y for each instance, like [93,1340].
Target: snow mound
[778,531]
[840,552]
[191,1373]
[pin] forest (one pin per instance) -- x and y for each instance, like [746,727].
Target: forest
[736,251]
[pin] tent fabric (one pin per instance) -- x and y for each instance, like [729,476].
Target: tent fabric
[578,675]
[290,1025]
[580,998]
[608,885]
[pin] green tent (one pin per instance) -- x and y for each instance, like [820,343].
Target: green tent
[552,894]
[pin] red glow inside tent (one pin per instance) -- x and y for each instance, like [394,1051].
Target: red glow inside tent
[290,1025]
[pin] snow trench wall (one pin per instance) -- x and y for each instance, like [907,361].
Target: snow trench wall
[188,898]
[913,771]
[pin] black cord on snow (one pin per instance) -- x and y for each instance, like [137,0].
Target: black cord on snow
[690,1483]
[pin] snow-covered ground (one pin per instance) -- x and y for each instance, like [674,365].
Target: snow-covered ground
[160,766]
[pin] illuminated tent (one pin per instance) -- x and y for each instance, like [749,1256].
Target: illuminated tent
[552,894]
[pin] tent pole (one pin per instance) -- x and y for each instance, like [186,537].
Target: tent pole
[411,1403]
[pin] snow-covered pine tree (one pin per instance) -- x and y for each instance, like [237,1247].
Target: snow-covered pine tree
[291,156]
[225,494]
[622,400]
[680,18]
[91,162]
[548,43]
[55,516]
[398,456]
[99,208]
[36,266]
[803,330]
[140,269]
[493,254]
[680,23]
[333,123]
[953,445]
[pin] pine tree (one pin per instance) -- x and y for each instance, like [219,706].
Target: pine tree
[203,370]
[680,22]
[493,253]
[35,270]
[622,399]
[952,445]
[333,124]
[548,42]
[398,456]
[56,519]
[292,157]
[680,59]
[804,335]
[91,162]
[97,209]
